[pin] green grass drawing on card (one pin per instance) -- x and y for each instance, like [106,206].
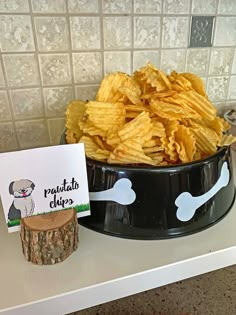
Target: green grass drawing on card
[12,223]
[82,207]
[79,208]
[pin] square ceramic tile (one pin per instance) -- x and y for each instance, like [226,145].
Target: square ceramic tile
[221,61]
[147,6]
[217,88]
[10,6]
[232,89]
[83,6]
[51,33]
[173,60]
[16,33]
[48,6]
[87,67]
[176,6]
[27,103]
[55,69]
[227,7]
[5,112]
[7,137]
[197,61]
[225,32]
[32,133]
[201,31]
[230,105]
[21,70]
[56,100]
[2,81]
[175,32]
[114,6]
[86,93]
[234,63]
[204,6]
[117,61]
[85,32]
[117,32]
[141,58]
[56,127]
[220,107]
[146,32]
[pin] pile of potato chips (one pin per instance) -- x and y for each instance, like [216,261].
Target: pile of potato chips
[148,118]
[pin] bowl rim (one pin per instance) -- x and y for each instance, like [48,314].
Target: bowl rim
[164,168]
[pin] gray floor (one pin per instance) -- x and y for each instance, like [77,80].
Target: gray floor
[212,293]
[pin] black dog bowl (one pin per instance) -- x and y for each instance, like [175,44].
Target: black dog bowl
[155,212]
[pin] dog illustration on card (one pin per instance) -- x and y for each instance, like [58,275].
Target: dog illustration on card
[23,203]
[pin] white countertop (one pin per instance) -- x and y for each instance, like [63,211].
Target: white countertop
[105,268]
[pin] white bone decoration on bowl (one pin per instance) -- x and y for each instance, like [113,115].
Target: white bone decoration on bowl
[121,193]
[188,204]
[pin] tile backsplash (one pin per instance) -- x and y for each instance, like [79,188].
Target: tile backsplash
[52,52]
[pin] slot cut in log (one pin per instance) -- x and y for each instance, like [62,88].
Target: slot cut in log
[49,238]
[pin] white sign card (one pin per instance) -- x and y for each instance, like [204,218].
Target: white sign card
[43,180]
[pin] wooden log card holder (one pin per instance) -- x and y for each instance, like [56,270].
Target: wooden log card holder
[49,238]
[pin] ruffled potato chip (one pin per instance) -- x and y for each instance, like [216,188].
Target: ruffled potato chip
[155,141]
[199,103]
[133,111]
[153,77]
[158,158]
[227,140]
[149,118]
[139,127]
[158,95]
[170,111]
[169,140]
[132,95]
[196,82]
[158,129]
[179,83]
[209,132]
[92,150]
[74,112]
[136,128]
[103,116]
[88,128]
[129,152]
[109,88]
[185,144]
[204,143]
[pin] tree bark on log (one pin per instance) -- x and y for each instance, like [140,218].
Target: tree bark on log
[49,238]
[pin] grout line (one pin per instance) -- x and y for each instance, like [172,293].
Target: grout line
[70,51]
[18,88]
[111,50]
[9,100]
[83,84]
[100,9]
[36,54]
[189,27]
[132,25]
[3,72]
[217,6]
[228,90]
[187,48]
[32,119]
[61,14]
[161,33]
[213,32]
